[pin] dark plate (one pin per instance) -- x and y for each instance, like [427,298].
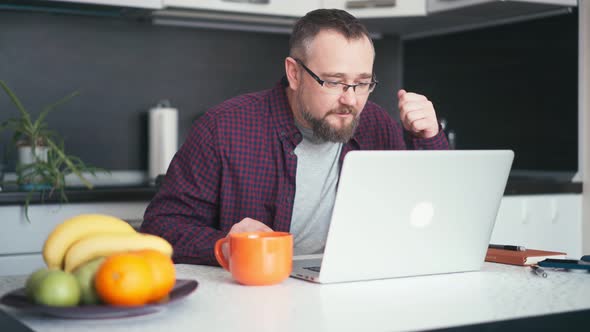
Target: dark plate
[17,299]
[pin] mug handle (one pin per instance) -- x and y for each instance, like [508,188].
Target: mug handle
[219,253]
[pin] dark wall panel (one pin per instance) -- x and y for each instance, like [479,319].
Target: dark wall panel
[122,68]
[512,86]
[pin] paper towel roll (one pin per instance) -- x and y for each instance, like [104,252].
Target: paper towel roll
[163,138]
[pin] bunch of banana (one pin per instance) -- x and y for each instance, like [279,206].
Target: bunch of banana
[98,245]
[82,238]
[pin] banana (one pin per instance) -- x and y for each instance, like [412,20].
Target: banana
[106,244]
[75,228]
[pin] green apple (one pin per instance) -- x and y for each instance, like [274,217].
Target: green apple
[85,276]
[57,288]
[33,281]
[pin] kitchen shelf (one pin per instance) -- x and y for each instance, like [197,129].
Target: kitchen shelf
[79,195]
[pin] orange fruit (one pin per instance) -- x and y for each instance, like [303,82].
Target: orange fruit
[163,273]
[124,279]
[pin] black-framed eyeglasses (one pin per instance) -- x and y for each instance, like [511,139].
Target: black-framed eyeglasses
[337,88]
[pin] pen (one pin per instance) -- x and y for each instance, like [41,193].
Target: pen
[505,247]
[539,271]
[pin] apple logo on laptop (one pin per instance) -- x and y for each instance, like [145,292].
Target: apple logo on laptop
[421,215]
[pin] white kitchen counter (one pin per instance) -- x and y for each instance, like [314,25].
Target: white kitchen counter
[498,292]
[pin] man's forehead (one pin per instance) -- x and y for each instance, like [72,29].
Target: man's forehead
[336,56]
[331,43]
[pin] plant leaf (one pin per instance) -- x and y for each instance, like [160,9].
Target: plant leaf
[16,102]
[69,163]
[51,107]
[27,202]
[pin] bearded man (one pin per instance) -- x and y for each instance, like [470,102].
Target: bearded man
[270,160]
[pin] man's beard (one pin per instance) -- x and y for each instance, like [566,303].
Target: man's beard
[322,128]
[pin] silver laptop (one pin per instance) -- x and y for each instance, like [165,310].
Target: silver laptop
[410,213]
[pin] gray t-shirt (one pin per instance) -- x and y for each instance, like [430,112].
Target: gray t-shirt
[316,180]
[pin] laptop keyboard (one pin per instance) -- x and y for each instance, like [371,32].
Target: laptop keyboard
[313,268]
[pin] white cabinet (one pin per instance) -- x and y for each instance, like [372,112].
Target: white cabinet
[152,4]
[264,7]
[21,241]
[379,8]
[550,222]
[440,5]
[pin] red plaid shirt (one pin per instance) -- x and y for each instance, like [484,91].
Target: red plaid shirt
[238,162]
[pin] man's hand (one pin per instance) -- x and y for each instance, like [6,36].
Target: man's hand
[245,225]
[417,114]
[249,225]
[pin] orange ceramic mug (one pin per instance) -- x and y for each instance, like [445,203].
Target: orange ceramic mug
[257,258]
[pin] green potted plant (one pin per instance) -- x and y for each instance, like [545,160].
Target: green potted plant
[43,163]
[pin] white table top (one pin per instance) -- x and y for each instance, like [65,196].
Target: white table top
[497,292]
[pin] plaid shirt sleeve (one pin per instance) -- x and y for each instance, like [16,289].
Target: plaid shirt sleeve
[185,209]
[437,142]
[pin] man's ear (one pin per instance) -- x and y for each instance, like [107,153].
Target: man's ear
[292,71]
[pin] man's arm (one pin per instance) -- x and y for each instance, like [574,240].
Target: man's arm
[185,210]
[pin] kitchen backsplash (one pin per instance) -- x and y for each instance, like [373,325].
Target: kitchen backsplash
[123,67]
[512,86]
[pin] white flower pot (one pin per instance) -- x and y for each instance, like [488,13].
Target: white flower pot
[25,157]
[25,154]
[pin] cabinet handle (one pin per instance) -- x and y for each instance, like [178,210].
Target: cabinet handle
[356,4]
[258,2]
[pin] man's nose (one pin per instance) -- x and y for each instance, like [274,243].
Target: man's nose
[348,97]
